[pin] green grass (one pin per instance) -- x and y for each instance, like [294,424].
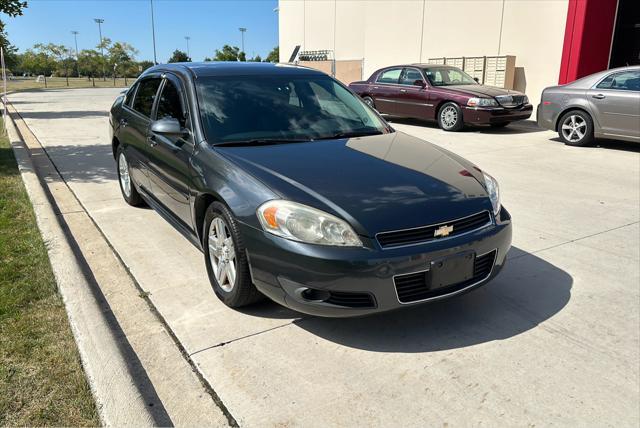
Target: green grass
[30,84]
[41,378]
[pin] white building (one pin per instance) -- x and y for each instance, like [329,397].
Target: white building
[553,41]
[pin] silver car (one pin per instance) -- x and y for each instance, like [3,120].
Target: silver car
[602,105]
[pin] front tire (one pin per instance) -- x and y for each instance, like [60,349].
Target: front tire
[128,189]
[450,117]
[575,128]
[226,259]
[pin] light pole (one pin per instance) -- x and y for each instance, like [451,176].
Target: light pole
[75,37]
[100,21]
[187,38]
[242,31]
[153,33]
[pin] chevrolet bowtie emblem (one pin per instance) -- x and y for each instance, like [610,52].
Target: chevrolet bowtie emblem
[442,231]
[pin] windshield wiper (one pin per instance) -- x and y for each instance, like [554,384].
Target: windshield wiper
[351,134]
[262,141]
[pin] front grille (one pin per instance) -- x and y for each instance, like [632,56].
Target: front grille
[510,100]
[427,233]
[351,300]
[414,287]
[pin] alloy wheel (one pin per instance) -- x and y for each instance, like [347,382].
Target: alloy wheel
[222,254]
[449,116]
[125,179]
[574,128]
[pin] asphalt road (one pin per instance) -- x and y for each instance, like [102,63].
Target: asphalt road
[554,339]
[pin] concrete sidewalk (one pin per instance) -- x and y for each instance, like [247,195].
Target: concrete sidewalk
[554,340]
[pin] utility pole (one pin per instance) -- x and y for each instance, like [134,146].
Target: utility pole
[75,36]
[153,33]
[187,38]
[242,31]
[100,21]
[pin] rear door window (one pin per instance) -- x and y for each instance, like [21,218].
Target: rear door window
[622,81]
[146,95]
[389,76]
[129,98]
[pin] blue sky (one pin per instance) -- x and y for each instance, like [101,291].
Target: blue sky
[210,24]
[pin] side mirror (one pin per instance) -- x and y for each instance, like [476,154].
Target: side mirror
[169,126]
[419,82]
[476,79]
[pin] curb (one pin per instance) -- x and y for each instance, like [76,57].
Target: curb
[137,374]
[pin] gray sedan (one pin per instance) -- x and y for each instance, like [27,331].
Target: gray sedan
[602,105]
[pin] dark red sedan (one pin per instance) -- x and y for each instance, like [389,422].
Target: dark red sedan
[443,93]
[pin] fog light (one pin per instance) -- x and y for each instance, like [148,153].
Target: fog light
[315,295]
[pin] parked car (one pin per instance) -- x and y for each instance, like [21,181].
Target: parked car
[602,105]
[294,188]
[443,93]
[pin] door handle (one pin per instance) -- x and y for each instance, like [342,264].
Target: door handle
[375,87]
[599,96]
[403,90]
[123,122]
[151,139]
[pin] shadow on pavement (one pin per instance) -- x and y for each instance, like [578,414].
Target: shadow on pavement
[625,146]
[84,163]
[63,114]
[528,292]
[520,127]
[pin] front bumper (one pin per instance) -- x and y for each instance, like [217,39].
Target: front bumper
[300,276]
[493,115]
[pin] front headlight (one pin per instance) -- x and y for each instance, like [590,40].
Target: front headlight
[305,224]
[482,102]
[493,189]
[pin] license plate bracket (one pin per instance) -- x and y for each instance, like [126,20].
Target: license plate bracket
[451,270]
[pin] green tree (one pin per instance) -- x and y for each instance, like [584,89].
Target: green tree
[179,56]
[143,65]
[122,58]
[62,55]
[38,62]
[90,63]
[274,55]
[256,58]
[104,45]
[229,53]
[12,8]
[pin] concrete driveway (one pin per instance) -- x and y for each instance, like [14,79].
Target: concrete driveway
[553,340]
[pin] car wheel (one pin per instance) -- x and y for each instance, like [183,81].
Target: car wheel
[500,125]
[450,117]
[128,189]
[226,259]
[369,101]
[575,128]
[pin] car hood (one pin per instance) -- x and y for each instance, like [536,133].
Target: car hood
[377,183]
[481,90]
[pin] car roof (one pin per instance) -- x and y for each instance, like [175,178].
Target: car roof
[229,68]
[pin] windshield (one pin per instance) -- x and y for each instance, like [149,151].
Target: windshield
[447,76]
[282,108]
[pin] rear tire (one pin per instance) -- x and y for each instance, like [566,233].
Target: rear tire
[369,101]
[575,128]
[226,259]
[127,187]
[450,117]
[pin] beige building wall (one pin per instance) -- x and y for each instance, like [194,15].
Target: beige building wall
[386,32]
